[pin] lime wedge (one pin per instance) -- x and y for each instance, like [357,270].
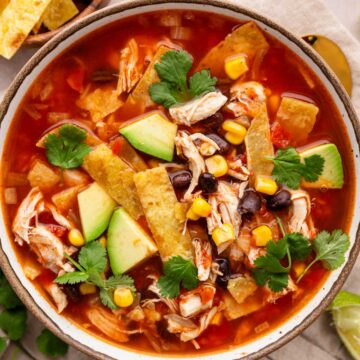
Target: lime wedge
[345,310]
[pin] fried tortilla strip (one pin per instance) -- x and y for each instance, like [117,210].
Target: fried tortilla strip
[165,215]
[234,310]
[246,39]
[115,176]
[100,102]
[258,145]
[297,117]
[16,21]
[58,13]
[141,92]
[3,4]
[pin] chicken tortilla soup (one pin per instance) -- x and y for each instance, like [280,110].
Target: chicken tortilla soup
[178,182]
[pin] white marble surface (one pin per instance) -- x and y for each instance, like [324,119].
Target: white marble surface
[319,342]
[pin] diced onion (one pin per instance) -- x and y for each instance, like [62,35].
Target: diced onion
[10,195]
[180,33]
[54,117]
[170,20]
[262,327]
[32,111]
[46,91]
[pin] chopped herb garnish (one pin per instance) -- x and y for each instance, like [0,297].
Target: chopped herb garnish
[13,322]
[177,271]
[91,265]
[51,345]
[289,169]
[330,249]
[67,149]
[174,86]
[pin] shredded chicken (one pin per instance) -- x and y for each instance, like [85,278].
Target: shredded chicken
[238,171]
[171,304]
[206,146]
[203,258]
[196,301]
[300,218]
[177,324]
[214,219]
[198,109]
[273,296]
[185,146]
[57,295]
[246,98]
[129,73]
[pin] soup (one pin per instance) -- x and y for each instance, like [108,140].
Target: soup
[172,183]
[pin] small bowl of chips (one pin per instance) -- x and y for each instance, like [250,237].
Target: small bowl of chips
[43,20]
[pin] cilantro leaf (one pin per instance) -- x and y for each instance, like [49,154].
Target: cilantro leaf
[67,149]
[51,345]
[202,82]
[2,344]
[72,278]
[278,282]
[299,246]
[8,298]
[93,257]
[278,248]
[174,86]
[177,271]
[288,168]
[270,264]
[106,297]
[120,281]
[13,323]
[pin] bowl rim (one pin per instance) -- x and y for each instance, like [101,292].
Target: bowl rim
[229,5]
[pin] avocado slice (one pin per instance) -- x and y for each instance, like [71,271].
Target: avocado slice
[332,176]
[127,243]
[153,134]
[95,207]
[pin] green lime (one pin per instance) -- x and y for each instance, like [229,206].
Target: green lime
[345,310]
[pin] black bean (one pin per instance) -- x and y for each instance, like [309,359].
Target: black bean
[222,144]
[280,200]
[72,292]
[208,183]
[224,268]
[214,121]
[180,179]
[250,203]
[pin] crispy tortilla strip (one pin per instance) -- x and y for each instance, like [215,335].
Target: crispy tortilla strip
[99,103]
[16,22]
[141,92]
[115,176]
[165,215]
[297,117]
[234,310]
[66,199]
[258,144]
[246,39]
[58,13]
[3,4]
[43,176]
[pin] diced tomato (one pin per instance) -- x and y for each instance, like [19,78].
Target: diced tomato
[243,158]
[116,147]
[279,136]
[75,79]
[57,230]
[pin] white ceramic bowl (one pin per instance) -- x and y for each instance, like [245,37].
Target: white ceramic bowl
[95,346]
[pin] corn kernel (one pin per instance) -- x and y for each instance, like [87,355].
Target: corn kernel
[234,127]
[75,238]
[217,319]
[262,235]
[265,185]
[235,66]
[102,241]
[223,234]
[87,289]
[233,138]
[123,297]
[191,215]
[217,165]
[298,268]
[201,207]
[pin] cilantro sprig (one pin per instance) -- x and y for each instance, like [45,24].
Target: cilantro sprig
[91,266]
[289,169]
[177,271]
[174,86]
[50,345]
[67,149]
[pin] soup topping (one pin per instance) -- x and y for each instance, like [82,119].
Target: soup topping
[195,212]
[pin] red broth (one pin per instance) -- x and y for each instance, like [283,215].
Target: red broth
[281,71]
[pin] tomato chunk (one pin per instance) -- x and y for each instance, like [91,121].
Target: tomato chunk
[279,136]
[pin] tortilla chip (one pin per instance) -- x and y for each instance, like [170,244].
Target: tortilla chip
[100,102]
[165,215]
[66,199]
[3,4]
[233,310]
[141,92]
[115,176]
[58,13]
[258,145]
[246,39]
[297,117]
[16,22]
[37,26]
[43,176]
